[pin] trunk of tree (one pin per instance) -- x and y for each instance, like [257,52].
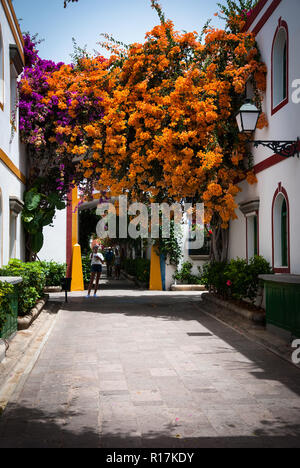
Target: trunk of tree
[220,244]
[30,256]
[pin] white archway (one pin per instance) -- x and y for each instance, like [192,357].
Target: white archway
[281,232]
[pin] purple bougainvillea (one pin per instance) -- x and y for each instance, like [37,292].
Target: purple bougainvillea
[43,120]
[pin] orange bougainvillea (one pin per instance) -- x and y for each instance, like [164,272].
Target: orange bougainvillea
[168,128]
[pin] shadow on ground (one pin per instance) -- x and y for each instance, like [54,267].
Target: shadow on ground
[179,307]
[28,427]
[38,429]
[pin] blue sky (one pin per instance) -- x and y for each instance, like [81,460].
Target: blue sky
[125,20]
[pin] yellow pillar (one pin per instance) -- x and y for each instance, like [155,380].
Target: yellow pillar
[74,216]
[155,272]
[77,275]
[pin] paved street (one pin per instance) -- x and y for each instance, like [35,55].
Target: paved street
[141,369]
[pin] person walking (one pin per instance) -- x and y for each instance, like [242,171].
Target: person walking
[117,264]
[109,258]
[97,261]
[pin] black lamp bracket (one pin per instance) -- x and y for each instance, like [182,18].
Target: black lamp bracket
[286,149]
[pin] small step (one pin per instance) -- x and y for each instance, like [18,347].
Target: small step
[188,287]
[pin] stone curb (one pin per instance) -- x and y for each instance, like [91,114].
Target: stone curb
[27,354]
[267,340]
[25,322]
[2,350]
[53,289]
[257,317]
[188,287]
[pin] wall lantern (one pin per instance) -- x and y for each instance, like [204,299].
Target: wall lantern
[247,119]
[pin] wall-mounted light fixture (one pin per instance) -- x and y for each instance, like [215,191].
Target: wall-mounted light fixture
[247,119]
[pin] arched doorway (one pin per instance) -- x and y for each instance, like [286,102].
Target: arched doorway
[82,221]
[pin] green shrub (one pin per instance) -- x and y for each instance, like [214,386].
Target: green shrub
[5,290]
[236,279]
[143,270]
[86,268]
[213,276]
[54,272]
[244,277]
[32,287]
[185,274]
[129,266]
[138,267]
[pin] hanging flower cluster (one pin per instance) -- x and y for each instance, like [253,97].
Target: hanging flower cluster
[50,120]
[81,102]
[35,116]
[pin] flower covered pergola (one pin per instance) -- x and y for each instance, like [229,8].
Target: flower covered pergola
[156,119]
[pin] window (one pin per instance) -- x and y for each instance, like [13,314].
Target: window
[12,235]
[16,206]
[284,234]
[16,67]
[204,250]
[280,70]
[281,232]
[13,91]
[250,210]
[252,235]
[1,71]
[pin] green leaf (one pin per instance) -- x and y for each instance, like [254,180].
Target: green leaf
[60,205]
[27,219]
[54,199]
[32,200]
[37,242]
[33,227]
[48,217]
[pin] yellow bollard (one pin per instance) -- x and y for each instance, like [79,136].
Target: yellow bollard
[155,272]
[77,274]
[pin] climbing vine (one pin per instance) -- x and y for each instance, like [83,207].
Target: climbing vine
[171,247]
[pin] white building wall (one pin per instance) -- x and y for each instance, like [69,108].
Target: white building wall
[55,236]
[197,262]
[283,125]
[10,185]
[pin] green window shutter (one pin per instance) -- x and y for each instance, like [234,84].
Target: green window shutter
[284,234]
[255,235]
[284,81]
